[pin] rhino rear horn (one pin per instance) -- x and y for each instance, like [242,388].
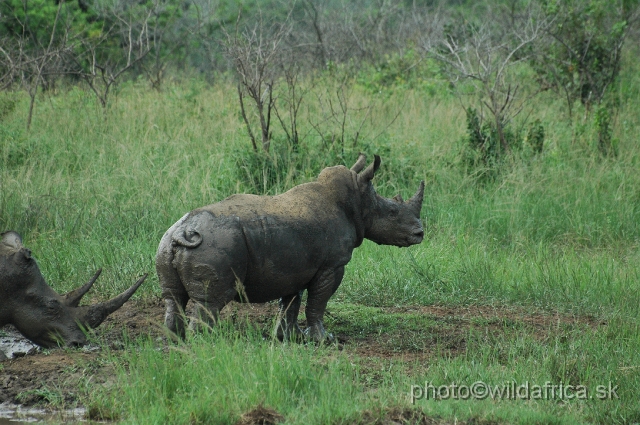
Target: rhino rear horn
[91,316]
[415,203]
[72,299]
[360,163]
[370,171]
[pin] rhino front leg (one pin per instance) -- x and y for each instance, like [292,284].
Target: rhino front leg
[288,328]
[319,293]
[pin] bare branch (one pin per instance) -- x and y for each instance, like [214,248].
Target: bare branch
[484,54]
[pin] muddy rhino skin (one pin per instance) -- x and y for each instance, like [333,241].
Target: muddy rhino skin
[261,248]
[36,310]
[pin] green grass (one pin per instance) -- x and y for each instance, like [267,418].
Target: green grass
[215,378]
[555,233]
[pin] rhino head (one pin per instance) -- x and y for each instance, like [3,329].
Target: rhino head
[36,310]
[388,221]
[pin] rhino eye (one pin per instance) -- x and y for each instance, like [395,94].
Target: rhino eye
[52,306]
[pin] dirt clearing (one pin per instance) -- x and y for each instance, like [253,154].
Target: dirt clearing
[406,334]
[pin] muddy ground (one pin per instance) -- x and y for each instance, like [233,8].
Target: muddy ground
[35,376]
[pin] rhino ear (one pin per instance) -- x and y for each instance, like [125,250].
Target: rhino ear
[360,163]
[370,171]
[398,198]
[11,239]
[11,243]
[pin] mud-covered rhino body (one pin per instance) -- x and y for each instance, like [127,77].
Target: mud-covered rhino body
[36,310]
[260,248]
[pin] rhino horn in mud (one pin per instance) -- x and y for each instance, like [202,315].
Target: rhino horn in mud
[36,310]
[260,248]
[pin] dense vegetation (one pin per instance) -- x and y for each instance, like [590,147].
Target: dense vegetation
[534,205]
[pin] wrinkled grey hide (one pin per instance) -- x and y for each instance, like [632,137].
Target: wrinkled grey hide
[39,312]
[260,248]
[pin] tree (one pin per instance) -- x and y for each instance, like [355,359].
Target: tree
[38,40]
[255,52]
[170,31]
[485,54]
[124,40]
[580,55]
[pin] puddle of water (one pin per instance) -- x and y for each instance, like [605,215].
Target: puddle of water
[4,421]
[13,414]
[13,344]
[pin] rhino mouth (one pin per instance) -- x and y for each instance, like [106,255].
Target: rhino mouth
[55,337]
[415,238]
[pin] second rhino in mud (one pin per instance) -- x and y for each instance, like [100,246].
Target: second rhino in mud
[261,248]
[41,314]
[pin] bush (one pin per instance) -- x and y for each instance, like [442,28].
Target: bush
[482,152]
[483,155]
[285,165]
[535,136]
[607,145]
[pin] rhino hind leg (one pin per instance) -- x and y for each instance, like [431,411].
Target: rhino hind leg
[173,291]
[174,316]
[210,287]
[288,329]
[208,312]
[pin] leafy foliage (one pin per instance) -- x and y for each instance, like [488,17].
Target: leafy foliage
[36,18]
[607,145]
[405,71]
[8,104]
[535,136]
[580,58]
[483,155]
[483,152]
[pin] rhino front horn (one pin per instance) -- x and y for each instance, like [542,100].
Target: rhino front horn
[91,316]
[415,203]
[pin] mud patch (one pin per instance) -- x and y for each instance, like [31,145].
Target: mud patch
[405,416]
[416,333]
[12,414]
[56,377]
[13,344]
[59,377]
[261,416]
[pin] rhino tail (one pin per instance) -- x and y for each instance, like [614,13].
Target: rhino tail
[189,238]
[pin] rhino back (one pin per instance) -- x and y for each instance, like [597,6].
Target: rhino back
[273,245]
